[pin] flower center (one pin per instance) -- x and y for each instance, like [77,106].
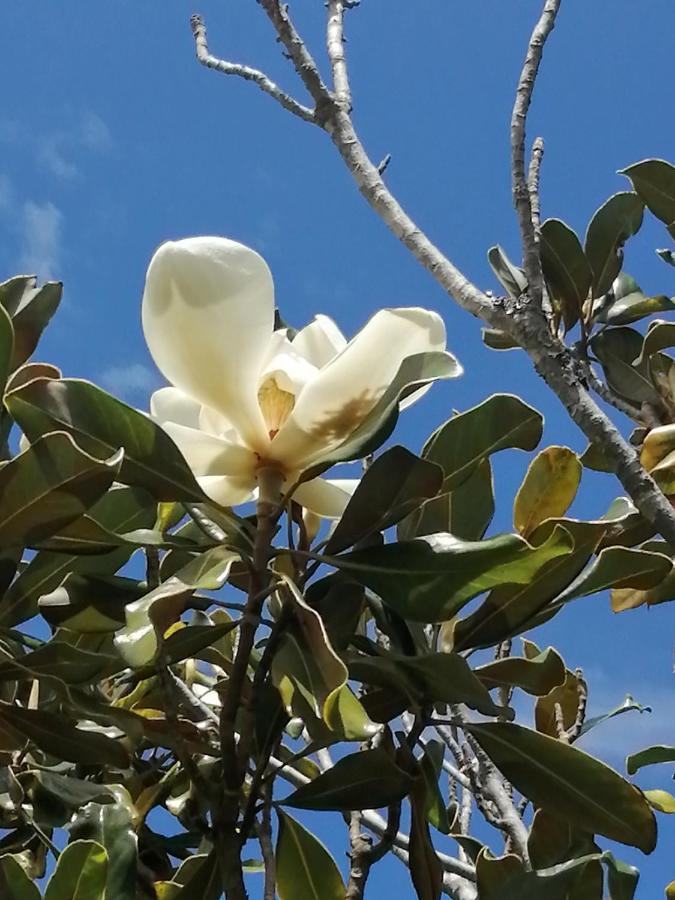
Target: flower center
[275,405]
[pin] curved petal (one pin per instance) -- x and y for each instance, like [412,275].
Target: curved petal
[326,497]
[208,315]
[319,341]
[208,454]
[227,491]
[168,404]
[290,370]
[333,404]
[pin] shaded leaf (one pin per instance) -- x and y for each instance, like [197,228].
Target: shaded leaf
[630,304]
[660,336]
[506,878]
[426,871]
[369,779]
[430,764]
[110,825]
[579,788]
[430,579]
[49,485]
[650,756]
[188,642]
[630,598]
[619,567]
[628,705]
[54,735]
[562,702]
[548,489]
[396,483]
[101,424]
[59,660]
[511,277]
[80,873]
[566,269]
[501,422]
[6,348]
[654,181]
[537,675]
[617,348]
[15,884]
[89,605]
[31,314]
[304,867]
[615,221]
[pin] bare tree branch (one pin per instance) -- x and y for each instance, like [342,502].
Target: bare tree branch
[335,44]
[520,187]
[246,72]
[533,184]
[359,858]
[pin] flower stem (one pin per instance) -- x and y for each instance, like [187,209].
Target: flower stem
[238,701]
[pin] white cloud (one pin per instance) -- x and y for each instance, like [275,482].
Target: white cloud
[134,380]
[94,133]
[60,151]
[40,229]
[7,199]
[51,155]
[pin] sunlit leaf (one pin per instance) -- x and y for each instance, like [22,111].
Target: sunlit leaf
[110,825]
[650,756]
[537,675]
[618,219]
[619,567]
[628,705]
[548,489]
[80,873]
[511,277]
[304,867]
[661,801]
[566,269]
[15,884]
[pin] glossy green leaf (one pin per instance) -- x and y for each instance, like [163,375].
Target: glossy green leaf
[512,278]
[501,422]
[101,425]
[552,841]
[650,756]
[630,304]
[86,604]
[58,660]
[31,314]
[80,873]
[425,867]
[111,826]
[566,269]
[369,779]
[654,181]
[619,567]
[396,483]
[6,348]
[618,219]
[548,489]
[506,878]
[628,705]
[198,876]
[537,675]
[617,348]
[579,788]
[660,336]
[15,884]
[447,678]
[55,735]
[304,867]
[594,458]
[188,642]
[430,769]
[622,879]
[430,579]
[49,485]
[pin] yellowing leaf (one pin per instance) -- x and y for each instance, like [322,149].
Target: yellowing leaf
[661,801]
[548,489]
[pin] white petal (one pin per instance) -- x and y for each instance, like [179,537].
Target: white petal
[326,497]
[332,406]
[319,341]
[208,315]
[207,454]
[168,404]
[227,491]
[290,370]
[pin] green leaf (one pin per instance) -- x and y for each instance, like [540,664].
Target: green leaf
[566,269]
[650,756]
[430,764]
[654,181]
[447,678]
[619,567]
[630,304]
[86,604]
[668,256]
[188,642]
[426,871]
[31,316]
[6,348]
[661,801]
[511,277]
[414,372]
[630,598]
[548,489]
[579,788]
[628,705]
[55,735]
[594,458]
[111,826]
[369,779]
[498,340]
[505,878]
[618,218]
[15,884]
[119,509]
[660,336]
[200,877]
[396,483]
[304,867]
[80,873]
[560,705]
[617,348]
[101,425]
[552,841]
[537,675]
[501,422]
[432,578]
[48,486]
[58,660]
[622,879]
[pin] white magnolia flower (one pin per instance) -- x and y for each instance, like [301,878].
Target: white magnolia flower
[245,396]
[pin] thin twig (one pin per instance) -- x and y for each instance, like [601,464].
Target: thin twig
[360,859]
[520,188]
[264,832]
[246,72]
[335,45]
[533,184]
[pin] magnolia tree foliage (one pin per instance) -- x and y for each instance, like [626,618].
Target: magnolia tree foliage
[205,633]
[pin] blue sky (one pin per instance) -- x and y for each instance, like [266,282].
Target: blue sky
[113,139]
